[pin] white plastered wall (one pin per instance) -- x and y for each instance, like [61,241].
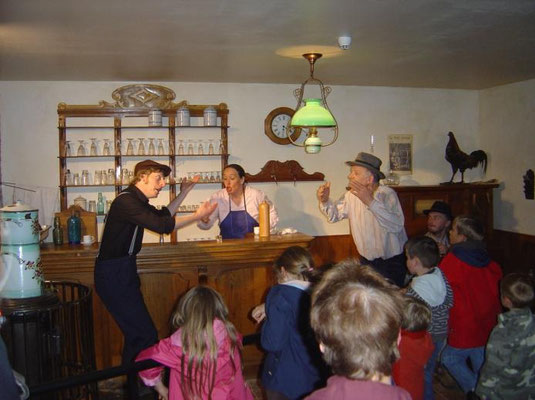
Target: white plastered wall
[507,132]
[28,123]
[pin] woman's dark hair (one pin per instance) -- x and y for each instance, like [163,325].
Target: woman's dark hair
[239,169]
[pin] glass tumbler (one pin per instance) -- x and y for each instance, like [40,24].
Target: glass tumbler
[152,149]
[81,149]
[141,147]
[98,177]
[106,150]
[68,149]
[161,150]
[93,151]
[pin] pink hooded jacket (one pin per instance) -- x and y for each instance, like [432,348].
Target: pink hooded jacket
[229,383]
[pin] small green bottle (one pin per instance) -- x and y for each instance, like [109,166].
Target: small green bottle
[57,233]
[100,204]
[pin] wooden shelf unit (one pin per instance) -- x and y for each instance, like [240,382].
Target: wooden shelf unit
[118,114]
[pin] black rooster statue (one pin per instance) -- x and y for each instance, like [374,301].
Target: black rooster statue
[460,161]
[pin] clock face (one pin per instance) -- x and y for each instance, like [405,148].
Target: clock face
[277,123]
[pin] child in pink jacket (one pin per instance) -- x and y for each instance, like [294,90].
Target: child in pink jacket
[202,354]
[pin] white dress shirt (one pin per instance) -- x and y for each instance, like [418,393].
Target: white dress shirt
[378,230]
[253,198]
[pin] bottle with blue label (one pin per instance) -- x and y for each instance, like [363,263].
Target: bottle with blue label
[74,228]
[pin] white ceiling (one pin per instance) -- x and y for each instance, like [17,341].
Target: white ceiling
[470,44]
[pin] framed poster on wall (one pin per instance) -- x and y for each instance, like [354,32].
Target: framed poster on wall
[400,153]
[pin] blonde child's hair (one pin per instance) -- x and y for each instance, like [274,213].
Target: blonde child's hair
[297,261]
[416,315]
[195,315]
[356,316]
[470,227]
[518,288]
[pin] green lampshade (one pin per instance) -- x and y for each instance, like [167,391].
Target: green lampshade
[313,114]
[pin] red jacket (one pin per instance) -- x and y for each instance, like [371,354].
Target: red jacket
[415,348]
[476,299]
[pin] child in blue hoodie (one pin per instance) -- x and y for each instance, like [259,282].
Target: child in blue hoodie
[293,366]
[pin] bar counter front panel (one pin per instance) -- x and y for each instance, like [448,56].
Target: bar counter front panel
[239,269]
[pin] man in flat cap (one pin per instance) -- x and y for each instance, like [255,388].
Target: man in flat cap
[116,279]
[375,217]
[438,225]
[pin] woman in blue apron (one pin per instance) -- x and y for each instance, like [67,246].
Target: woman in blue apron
[237,206]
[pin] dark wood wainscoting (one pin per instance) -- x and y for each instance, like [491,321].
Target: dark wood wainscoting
[332,249]
[515,252]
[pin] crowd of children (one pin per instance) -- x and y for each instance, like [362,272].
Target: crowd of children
[354,335]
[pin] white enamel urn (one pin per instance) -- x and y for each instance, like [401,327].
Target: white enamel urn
[19,240]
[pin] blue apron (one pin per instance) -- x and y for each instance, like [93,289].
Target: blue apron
[237,223]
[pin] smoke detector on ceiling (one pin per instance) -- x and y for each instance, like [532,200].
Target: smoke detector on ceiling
[344,42]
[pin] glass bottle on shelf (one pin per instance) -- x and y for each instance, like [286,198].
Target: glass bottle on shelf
[68,178]
[130,147]
[76,179]
[124,177]
[85,178]
[92,206]
[190,147]
[181,147]
[141,147]
[200,149]
[74,228]
[81,149]
[106,150]
[161,150]
[68,149]
[57,232]
[93,151]
[98,178]
[111,176]
[152,149]
[221,147]
[100,204]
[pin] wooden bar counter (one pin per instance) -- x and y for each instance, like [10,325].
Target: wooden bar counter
[239,269]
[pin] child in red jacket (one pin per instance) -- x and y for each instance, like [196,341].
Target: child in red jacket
[474,278]
[415,348]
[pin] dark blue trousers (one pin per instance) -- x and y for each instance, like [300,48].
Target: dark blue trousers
[394,269]
[117,284]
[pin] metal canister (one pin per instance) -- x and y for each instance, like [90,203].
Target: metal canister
[210,116]
[183,116]
[19,225]
[155,117]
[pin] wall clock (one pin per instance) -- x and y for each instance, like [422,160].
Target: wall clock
[276,125]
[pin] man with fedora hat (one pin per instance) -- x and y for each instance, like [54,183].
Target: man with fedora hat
[438,225]
[116,279]
[375,216]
